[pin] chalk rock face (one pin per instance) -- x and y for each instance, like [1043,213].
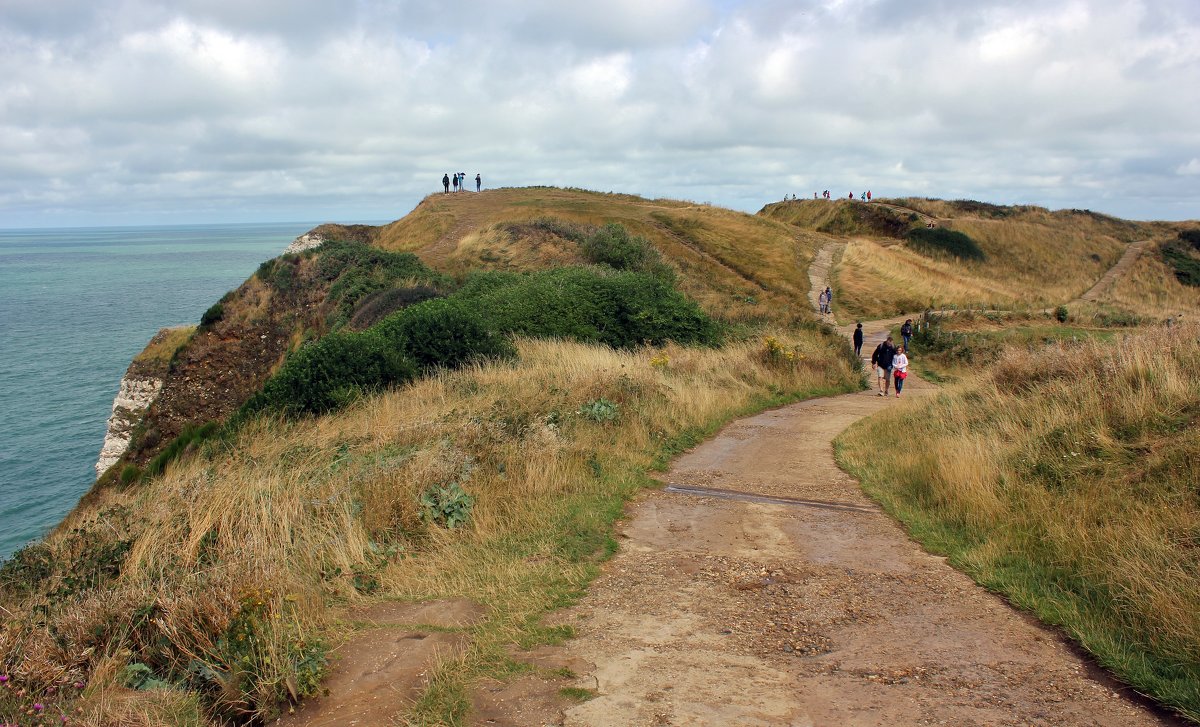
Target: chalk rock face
[307,241]
[132,400]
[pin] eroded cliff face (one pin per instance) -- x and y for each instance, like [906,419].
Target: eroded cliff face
[140,386]
[132,400]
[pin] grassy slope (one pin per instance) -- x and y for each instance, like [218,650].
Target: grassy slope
[271,532]
[1034,257]
[1089,521]
[735,265]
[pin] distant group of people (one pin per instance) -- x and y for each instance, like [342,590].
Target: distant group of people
[865,196]
[459,180]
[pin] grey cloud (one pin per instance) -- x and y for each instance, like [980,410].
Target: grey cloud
[271,108]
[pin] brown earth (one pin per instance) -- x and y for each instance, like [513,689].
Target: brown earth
[718,611]
[382,670]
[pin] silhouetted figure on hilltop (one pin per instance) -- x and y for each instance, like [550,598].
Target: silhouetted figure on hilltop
[478,182]
[446,182]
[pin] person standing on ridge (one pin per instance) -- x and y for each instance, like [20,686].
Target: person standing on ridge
[868,195]
[858,341]
[906,332]
[455,181]
[478,182]
[446,182]
[881,359]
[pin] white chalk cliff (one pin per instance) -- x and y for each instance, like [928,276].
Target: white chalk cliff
[134,397]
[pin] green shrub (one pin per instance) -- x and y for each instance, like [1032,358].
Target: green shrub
[1061,314]
[1182,255]
[332,372]
[377,306]
[620,309]
[600,411]
[446,505]
[190,435]
[130,473]
[215,313]
[612,245]
[940,241]
[442,333]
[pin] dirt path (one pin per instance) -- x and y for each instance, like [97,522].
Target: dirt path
[719,611]
[1124,264]
[819,271]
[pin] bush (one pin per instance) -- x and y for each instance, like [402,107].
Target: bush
[448,505]
[612,245]
[1182,257]
[332,372]
[620,309]
[1061,314]
[215,313]
[443,334]
[940,241]
[377,306]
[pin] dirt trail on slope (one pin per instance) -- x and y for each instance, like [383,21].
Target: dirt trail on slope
[1106,282]
[718,611]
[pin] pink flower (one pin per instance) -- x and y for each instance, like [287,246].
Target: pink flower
[39,706]
[3,678]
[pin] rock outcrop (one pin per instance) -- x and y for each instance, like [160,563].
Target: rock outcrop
[134,397]
[307,241]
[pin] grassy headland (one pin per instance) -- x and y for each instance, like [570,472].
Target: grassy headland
[410,455]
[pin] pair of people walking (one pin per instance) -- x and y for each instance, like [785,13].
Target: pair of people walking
[891,366]
[825,300]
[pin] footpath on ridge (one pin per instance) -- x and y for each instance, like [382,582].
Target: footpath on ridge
[762,587]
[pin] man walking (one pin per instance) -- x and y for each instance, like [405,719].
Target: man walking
[882,359]
[906,332]
[858,341]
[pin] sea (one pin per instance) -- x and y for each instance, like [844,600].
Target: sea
[75,306]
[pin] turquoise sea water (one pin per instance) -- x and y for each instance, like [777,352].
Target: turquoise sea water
[75,306]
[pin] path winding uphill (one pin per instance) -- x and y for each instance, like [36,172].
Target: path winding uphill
[763,588]
[1102,286]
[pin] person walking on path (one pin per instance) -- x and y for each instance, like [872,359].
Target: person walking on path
[900,369]
[858,338]
[882,358]
[906,332]
[446,182]
[828,300]
[821,302]
[478,182]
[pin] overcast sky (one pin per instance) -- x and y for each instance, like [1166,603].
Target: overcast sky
[145,112]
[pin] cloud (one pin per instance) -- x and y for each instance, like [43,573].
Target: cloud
[140,111]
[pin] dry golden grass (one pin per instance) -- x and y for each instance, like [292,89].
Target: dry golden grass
[302,515]
[1034,259]
[1066,478]
[737,266]
[874,281]
[164,345]
[1150,289]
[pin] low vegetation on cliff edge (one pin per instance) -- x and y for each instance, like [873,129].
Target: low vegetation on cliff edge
[208,593]
[1066,479]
